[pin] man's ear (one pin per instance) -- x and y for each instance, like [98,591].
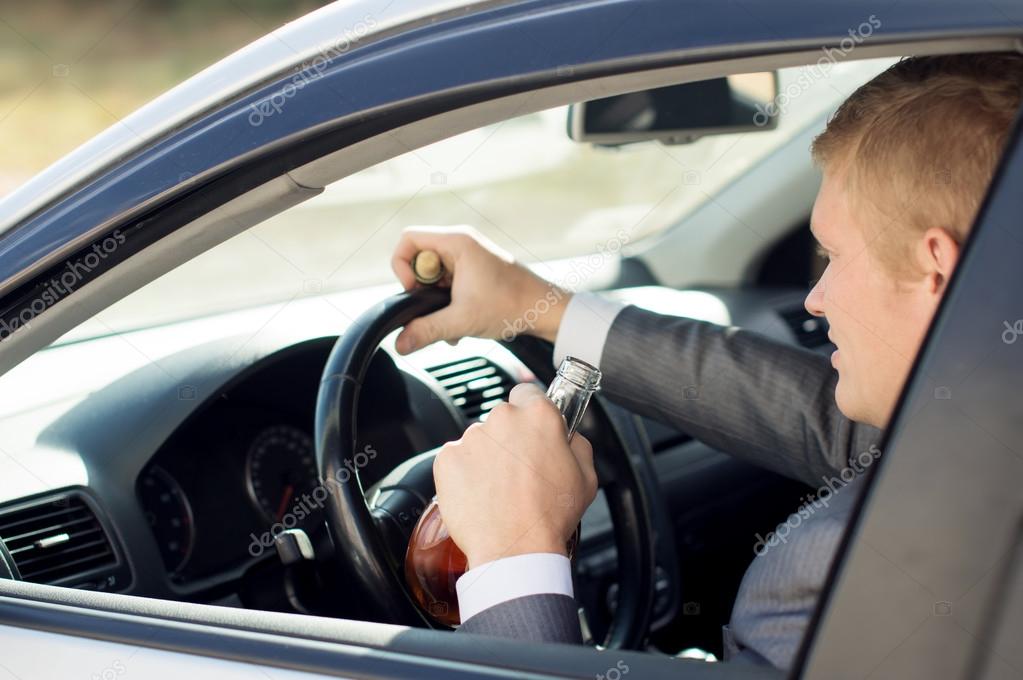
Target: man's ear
[938,252]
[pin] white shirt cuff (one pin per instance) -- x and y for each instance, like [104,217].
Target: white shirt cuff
[584,328]
[509,578]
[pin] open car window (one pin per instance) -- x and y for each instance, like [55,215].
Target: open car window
[522,182]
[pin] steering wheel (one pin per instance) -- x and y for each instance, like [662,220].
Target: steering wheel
[370,541]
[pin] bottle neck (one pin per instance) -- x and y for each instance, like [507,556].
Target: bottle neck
[580,373]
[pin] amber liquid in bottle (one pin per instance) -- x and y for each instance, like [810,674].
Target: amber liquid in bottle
[433,563]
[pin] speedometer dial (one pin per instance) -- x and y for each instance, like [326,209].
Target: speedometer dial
[169,514]
[281,472]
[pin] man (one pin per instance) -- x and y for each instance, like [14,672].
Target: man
[906,161]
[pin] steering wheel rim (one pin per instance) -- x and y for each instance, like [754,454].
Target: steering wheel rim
[360,546]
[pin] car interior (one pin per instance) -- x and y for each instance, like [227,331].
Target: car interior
[168,418]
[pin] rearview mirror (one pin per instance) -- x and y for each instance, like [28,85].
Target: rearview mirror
[679,114]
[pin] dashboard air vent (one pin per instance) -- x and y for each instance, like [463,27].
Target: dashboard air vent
[59,540]
[810,331]
[476,385]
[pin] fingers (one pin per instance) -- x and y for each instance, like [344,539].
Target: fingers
[523,393]
[426,330]
[530,397]
[583,452]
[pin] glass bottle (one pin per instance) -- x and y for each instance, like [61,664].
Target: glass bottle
[433,563]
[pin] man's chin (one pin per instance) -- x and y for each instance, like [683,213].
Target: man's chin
[854,407]
[845,400]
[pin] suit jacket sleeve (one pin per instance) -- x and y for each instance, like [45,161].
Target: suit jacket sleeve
[755,398]
[534,618]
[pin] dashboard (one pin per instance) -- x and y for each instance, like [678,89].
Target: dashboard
[186,464]
[243,466]
[231,474]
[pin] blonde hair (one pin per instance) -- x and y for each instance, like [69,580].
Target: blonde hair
[920,143]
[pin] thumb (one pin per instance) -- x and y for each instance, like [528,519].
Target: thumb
[426,330]
[583,452]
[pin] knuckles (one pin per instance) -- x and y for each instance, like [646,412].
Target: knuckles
[440,461]
[499,415]
[446,458]
[473,436]
[545,413]
[539,415]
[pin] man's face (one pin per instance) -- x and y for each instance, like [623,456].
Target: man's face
[877,322]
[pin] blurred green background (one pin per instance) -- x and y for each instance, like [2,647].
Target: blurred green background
[69,69]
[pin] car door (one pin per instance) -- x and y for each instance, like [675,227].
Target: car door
[47,636]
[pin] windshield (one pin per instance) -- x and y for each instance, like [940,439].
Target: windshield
[522,182]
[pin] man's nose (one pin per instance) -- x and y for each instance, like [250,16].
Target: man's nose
[814,301]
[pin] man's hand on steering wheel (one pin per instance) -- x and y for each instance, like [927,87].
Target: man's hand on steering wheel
[512,485]
[489,290]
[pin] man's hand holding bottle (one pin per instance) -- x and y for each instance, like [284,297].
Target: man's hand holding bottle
[510,485]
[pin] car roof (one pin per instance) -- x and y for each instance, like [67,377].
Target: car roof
[325,33]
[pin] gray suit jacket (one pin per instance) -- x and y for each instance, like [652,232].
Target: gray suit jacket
[759,400]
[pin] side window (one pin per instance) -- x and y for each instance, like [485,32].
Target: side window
[522,182]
